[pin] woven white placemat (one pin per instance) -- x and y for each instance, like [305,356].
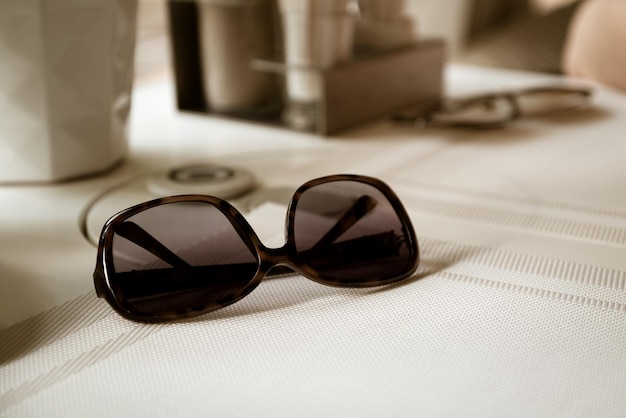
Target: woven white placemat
[478,331]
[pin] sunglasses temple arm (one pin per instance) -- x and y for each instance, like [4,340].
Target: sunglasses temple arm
[359,209]
[136,234]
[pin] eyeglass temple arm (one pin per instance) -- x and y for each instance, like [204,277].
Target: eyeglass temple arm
[136,234]
[359,209]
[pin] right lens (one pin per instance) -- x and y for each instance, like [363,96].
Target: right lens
[178,258]
[350,233]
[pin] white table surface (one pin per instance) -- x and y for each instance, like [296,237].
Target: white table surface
[519,307]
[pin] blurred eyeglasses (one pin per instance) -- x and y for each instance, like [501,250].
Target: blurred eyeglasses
[494,110]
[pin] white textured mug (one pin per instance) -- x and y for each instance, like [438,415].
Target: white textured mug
[66,71]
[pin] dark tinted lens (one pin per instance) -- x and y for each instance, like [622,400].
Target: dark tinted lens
[351,234]
[177,258]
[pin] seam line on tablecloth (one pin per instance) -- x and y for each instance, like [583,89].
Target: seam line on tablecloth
[570,271]
[75,365]
[566,207]
[51,325]
[518,220]
[536,292]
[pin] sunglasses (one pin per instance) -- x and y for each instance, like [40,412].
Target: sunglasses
[495,110]
[183,256]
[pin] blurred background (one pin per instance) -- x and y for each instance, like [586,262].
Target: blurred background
[516,34]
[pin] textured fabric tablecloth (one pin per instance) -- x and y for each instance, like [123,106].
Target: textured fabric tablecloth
[518,307]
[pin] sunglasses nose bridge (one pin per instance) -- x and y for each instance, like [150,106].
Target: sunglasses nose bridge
[271,257]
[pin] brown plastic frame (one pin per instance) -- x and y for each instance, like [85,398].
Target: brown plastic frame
[267,258]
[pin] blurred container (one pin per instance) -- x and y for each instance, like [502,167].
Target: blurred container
[318,34]
[233,33]
[328,88]
[384,25]
[382,9]
[66,71]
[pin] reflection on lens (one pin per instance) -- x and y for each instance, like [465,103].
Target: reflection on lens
[351,234]
[179,257]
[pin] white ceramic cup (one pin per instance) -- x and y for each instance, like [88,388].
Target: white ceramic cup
[66,71]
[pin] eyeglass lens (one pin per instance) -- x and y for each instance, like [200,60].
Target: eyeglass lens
[350,233]
[209,261]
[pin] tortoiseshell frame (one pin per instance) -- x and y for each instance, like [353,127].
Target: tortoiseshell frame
[267,258]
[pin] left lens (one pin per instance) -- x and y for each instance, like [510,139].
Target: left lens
[179,258]
[353,233]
